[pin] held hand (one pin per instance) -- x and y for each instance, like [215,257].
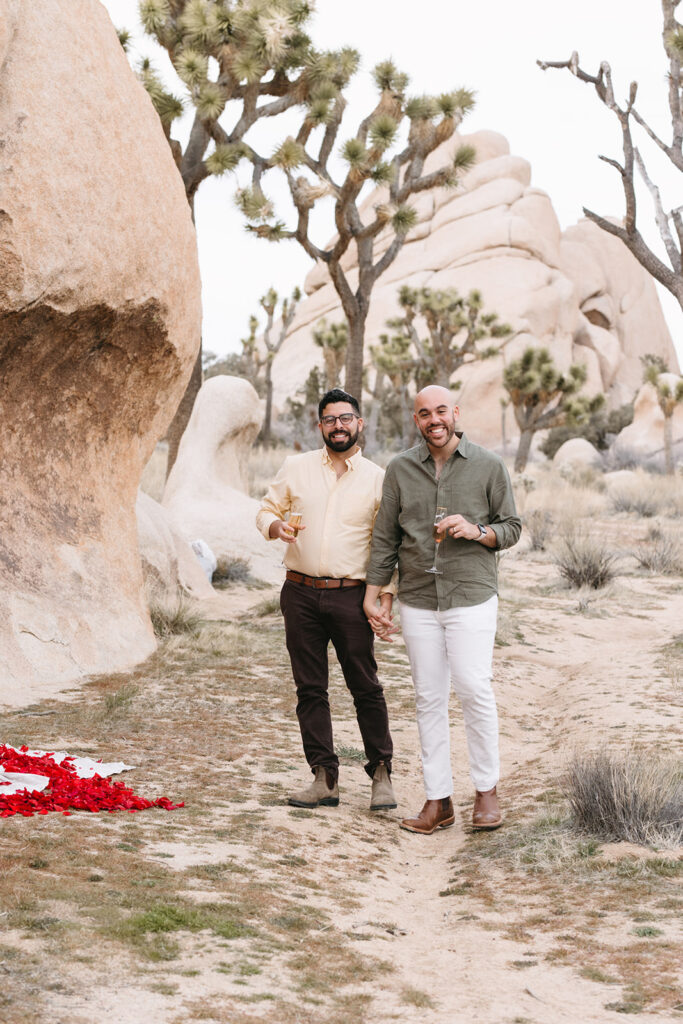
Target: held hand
[283,531]
[380,619]
[457,526]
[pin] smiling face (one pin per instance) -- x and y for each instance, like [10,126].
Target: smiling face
[338,436]
[436,416]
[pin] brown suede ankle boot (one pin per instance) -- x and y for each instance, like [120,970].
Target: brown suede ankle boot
[382,797]
[323,791]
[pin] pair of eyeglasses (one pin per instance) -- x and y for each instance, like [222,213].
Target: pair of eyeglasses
[344,419]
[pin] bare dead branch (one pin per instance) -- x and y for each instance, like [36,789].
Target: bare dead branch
[660,216]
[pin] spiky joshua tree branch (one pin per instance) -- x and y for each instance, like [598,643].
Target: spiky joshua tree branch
[375,155]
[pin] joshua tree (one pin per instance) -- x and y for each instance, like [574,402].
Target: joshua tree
[239,62]
[376,153]
[668,397]
[670,224]
[543,397]
[395,364]
[273,345]
[333,339]
[456,326]
[255,364]
[405,361]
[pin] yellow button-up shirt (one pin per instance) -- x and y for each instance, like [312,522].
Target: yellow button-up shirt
[338,513]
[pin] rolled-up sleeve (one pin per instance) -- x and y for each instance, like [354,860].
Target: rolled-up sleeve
[276,502]
[503,520]
[386,534]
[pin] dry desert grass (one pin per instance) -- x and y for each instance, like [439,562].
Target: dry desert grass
[241,909]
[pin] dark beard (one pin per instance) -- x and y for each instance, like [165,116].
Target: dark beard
[342,446]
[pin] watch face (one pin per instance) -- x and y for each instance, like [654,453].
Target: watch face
[482,529]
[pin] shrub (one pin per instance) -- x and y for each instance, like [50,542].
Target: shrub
[599,428]
[174,619]
[585,563]
[634,797]
[539,525]
[640,503]
[662,553]
[231,570]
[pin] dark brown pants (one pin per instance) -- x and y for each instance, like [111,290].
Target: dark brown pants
[313,618]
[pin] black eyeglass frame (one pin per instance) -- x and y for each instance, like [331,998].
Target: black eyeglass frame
[345,419]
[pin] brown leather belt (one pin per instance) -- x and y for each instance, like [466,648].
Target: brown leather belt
[322,582]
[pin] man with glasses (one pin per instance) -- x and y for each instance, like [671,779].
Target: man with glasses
[336,492]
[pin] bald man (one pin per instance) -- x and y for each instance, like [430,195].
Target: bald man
[448,616]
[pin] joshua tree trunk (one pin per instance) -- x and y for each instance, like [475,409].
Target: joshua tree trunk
[183,412]
[668,445]
[522,456]
[353,378]
[503,431]
[268,415]
[372,422]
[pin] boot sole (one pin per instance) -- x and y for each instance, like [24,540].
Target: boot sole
[327,801]
[487,828]
[383,807]
[430,831]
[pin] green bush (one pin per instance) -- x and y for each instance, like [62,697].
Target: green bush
[596,429]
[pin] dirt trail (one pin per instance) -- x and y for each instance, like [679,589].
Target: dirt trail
[587,670]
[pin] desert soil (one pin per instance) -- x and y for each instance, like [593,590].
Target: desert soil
[239,908]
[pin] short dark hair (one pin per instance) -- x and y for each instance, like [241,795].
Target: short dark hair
[337,395]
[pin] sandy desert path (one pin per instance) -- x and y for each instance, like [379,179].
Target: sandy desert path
[239,908]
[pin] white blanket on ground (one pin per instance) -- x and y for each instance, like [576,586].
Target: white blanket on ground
[85,767]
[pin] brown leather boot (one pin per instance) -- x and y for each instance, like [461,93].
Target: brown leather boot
[323,791]
[435,814]
[382,797]
[486,813]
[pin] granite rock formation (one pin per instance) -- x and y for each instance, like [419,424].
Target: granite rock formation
[206,492]
[169,565]
[578,452]
[578,292]
[100,325]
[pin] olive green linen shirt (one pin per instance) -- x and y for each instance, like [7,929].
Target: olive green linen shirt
[473,483]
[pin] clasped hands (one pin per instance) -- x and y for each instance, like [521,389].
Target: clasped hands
[379,616]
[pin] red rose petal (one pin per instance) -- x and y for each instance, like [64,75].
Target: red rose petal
[66,789]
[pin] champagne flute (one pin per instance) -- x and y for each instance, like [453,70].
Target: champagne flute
[440,514]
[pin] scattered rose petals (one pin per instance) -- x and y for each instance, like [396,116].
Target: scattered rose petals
[66,791]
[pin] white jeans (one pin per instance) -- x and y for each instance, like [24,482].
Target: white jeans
[454,648]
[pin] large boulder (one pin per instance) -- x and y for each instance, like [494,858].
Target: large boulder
[169,565]
[578,452]
[100,309]
[580,293]
[206,492]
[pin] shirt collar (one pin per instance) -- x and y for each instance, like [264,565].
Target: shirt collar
[351,461]
[464,448]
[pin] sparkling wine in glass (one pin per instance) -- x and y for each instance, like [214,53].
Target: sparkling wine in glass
[294,520]
[440,514]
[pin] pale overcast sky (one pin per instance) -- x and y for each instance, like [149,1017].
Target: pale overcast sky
[549,118]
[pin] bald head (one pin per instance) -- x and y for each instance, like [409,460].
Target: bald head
[434,394]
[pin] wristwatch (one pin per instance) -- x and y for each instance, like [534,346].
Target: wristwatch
[482,530]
